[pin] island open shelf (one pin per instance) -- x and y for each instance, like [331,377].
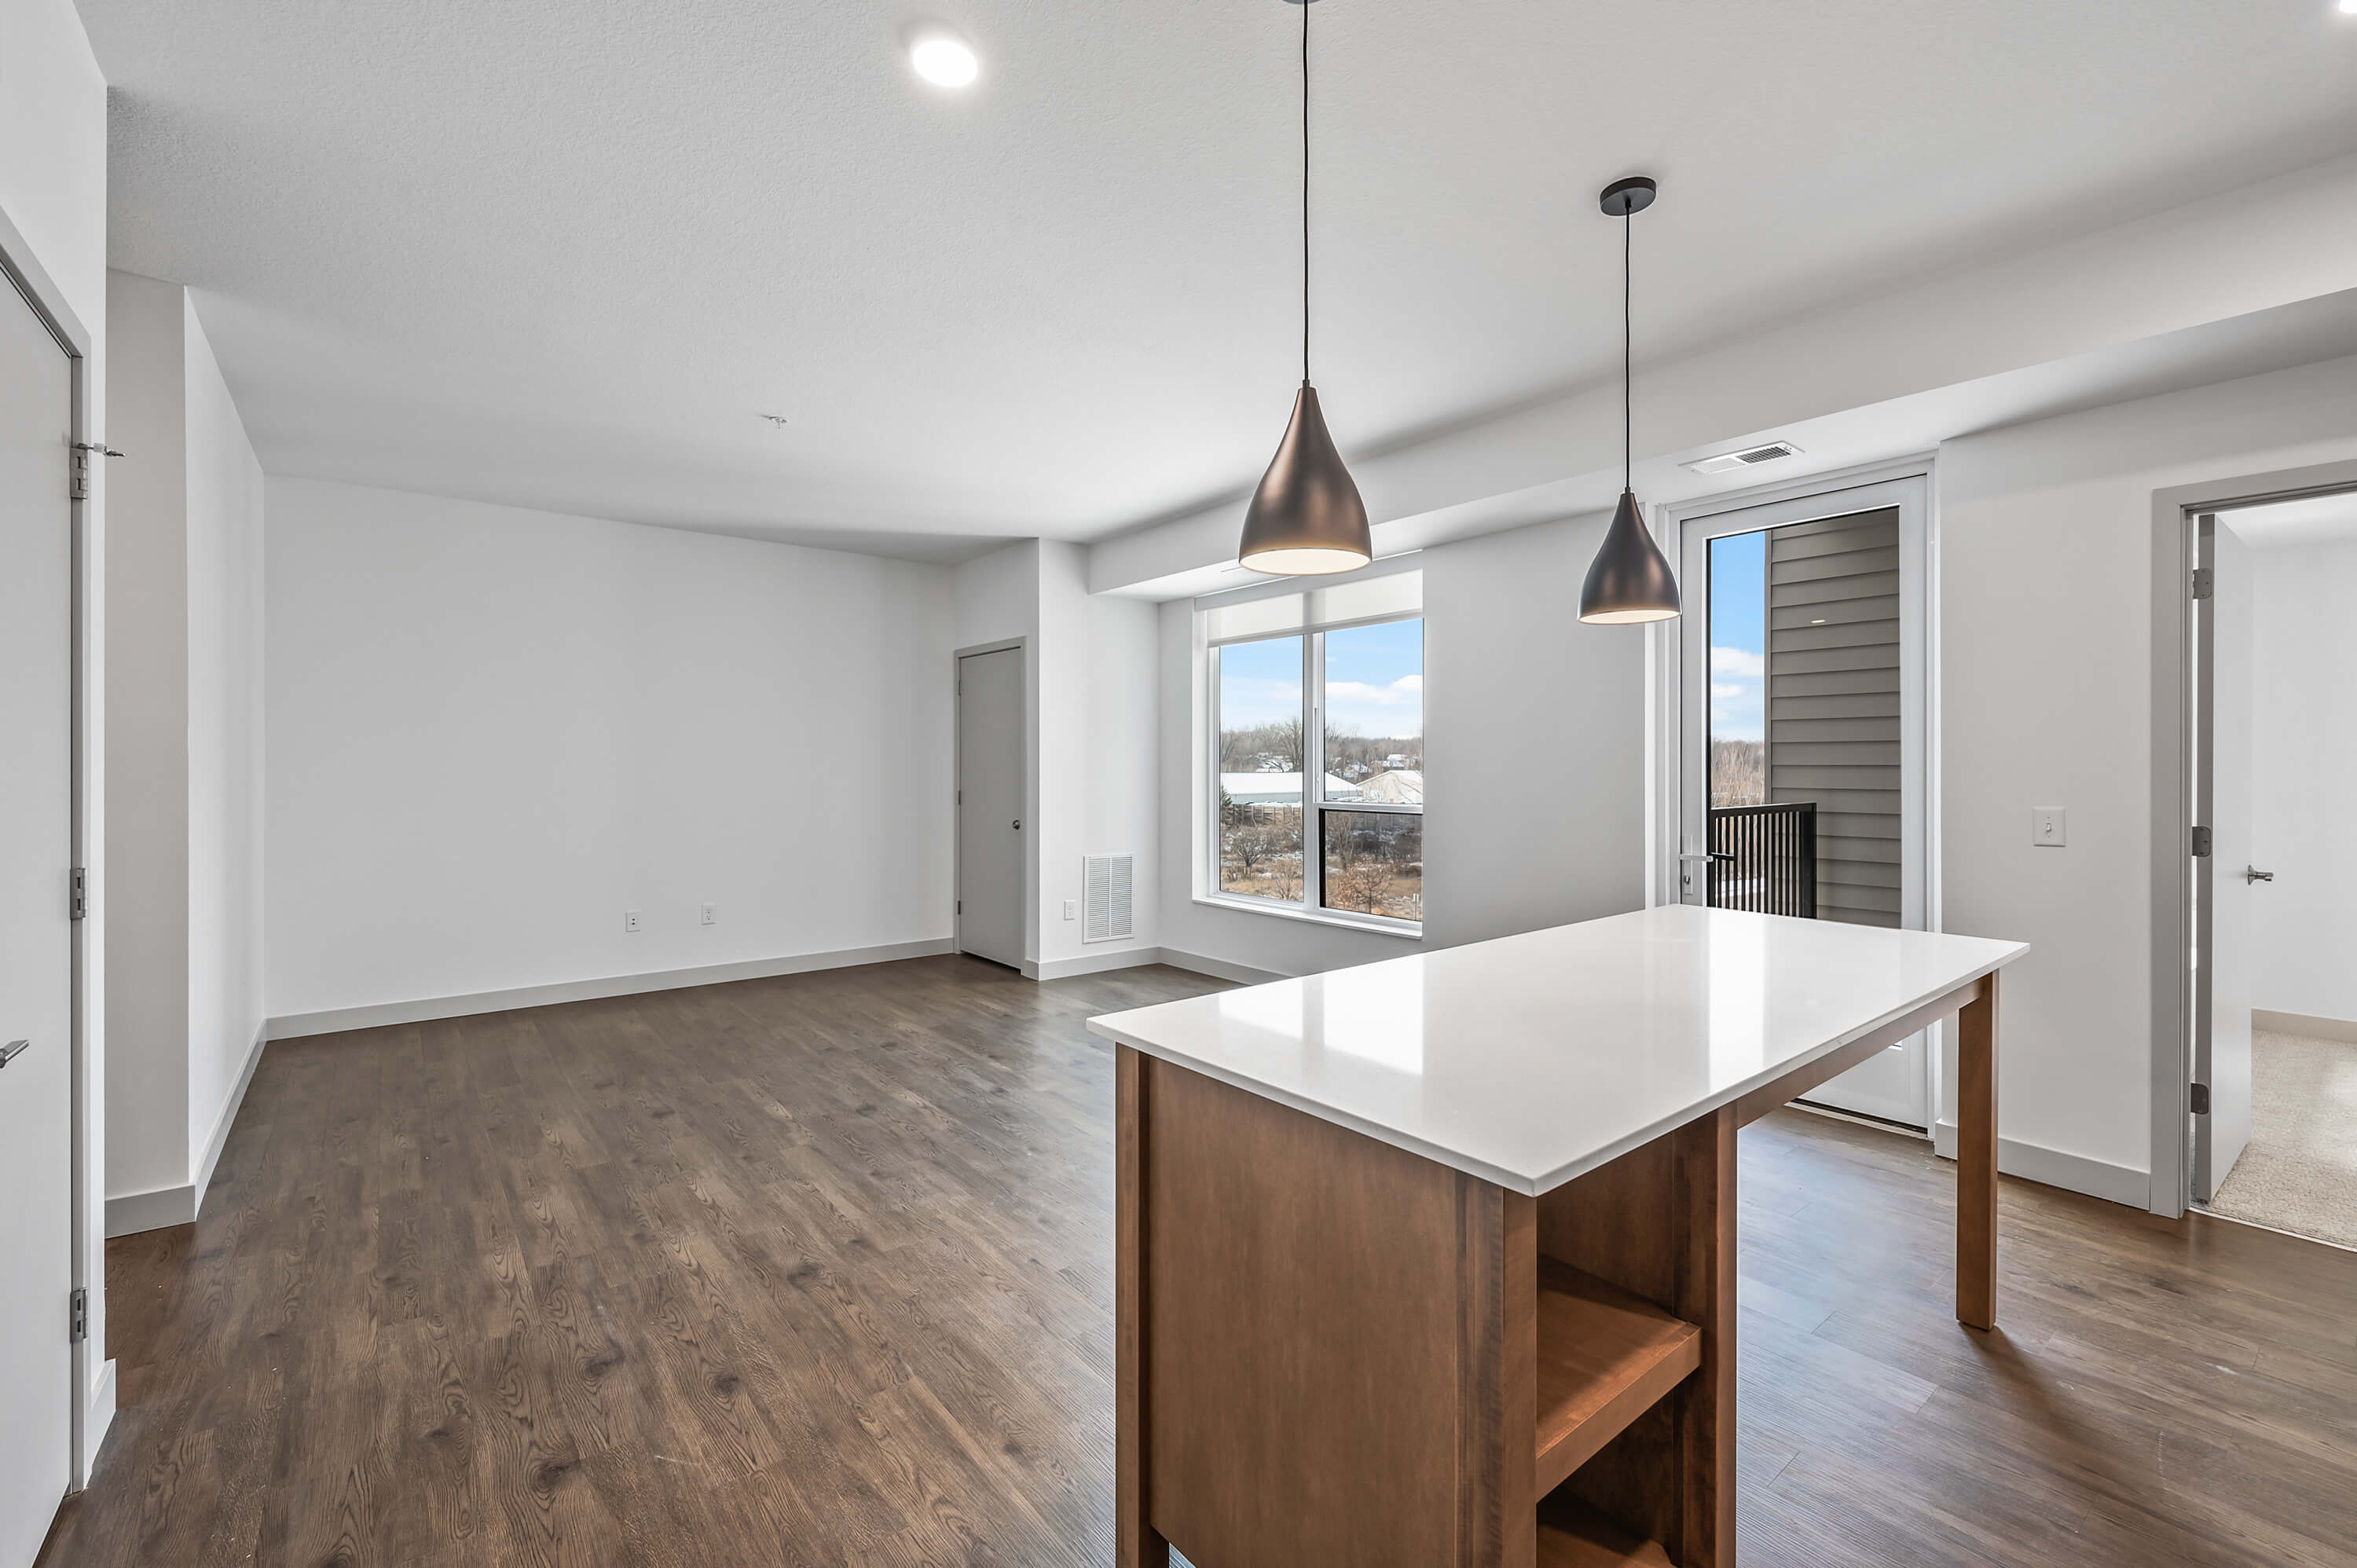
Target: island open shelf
[1605,1357]
[1574,1535]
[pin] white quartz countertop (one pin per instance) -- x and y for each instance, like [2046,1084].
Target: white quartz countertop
[1534,1058]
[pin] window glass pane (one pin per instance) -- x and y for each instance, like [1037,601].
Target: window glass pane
[1374,714]
[1739,670]
[1402,593]
[1375,863]
[1253,618]
[1260,768]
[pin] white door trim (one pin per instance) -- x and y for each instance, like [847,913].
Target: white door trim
[2173,513]
[93,1379]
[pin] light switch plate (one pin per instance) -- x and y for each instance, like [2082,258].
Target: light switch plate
[2049,826]
[1072,908]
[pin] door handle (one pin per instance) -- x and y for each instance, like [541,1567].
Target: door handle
[13,1049]
[2252,873]
[1018,824]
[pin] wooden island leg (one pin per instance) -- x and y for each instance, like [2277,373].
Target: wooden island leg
[1704,1209]
[1976,1159]
[1136,1544]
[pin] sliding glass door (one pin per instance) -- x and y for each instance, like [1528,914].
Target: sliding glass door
[1803,757]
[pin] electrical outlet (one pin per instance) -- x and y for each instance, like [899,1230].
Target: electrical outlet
[1072,908]
[711,914]
[629,919]
[2049,826]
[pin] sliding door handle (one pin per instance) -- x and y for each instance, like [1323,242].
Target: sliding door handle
[13,1049]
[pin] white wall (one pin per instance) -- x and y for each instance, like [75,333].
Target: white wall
[148,908]
[1534,763]
[53,191]
[1535,739]
[1124,797]
[492,730]
[224,748]
[185,717]
[2046,681]
[2304,764]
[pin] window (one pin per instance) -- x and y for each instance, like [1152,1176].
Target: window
[1333,674]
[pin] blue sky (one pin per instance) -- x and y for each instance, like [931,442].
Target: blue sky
[1374,679]
[1738,635]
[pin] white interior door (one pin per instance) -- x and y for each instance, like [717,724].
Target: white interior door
[35,850]
[990,806]
[1805,633]
[2222,1000]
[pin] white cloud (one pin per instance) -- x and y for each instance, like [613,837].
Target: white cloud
[1249,700]
[1360,707]
[1407,692]
[1737,662]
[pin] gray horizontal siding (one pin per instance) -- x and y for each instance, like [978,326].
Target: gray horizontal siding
[1832,704]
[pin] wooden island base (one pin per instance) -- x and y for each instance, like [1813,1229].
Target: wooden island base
[1333,1350]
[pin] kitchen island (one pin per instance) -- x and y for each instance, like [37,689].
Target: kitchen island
[1432,1261]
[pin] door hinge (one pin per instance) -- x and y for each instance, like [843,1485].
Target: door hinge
[77,1317]
[2200,1100]
[2205,581]
[2201,844]
[77,482]
[961,906]
[77,894]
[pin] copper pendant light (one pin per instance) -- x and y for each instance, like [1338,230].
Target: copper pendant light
[1630,580]
[1307,518]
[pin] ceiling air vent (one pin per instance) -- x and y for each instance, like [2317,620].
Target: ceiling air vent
[1104,879]
[1728,462]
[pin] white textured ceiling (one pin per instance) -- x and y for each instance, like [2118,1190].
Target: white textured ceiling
[563,255]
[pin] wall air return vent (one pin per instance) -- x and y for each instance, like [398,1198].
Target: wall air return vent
[1728,462]
[1104,880]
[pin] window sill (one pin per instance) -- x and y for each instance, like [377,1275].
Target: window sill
[1375,925]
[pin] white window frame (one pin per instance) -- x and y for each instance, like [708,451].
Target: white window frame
[1314,803]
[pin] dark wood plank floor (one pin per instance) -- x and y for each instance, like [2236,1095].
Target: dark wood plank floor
[818,1271]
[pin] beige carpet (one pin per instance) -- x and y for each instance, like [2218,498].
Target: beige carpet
[2300,1173]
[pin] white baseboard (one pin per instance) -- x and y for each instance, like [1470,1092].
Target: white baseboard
[228,1114]
[136,1212]
[1220,968]
[97,1419]
[2052,1167]
[335,1020]
[2305,1024]
[1137,958]
[1095,963]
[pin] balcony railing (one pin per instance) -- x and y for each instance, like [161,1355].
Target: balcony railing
[1764,859]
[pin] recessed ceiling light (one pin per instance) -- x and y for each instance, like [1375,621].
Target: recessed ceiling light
[943,57]
[2348,7]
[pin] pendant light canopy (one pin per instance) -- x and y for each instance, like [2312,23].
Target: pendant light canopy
[1307,518]
[1630,580]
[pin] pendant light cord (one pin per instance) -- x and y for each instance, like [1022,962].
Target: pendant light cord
[1305,192]
[1628,375]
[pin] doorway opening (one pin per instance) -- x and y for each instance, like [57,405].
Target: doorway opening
[2272,1131]
[1805,758]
